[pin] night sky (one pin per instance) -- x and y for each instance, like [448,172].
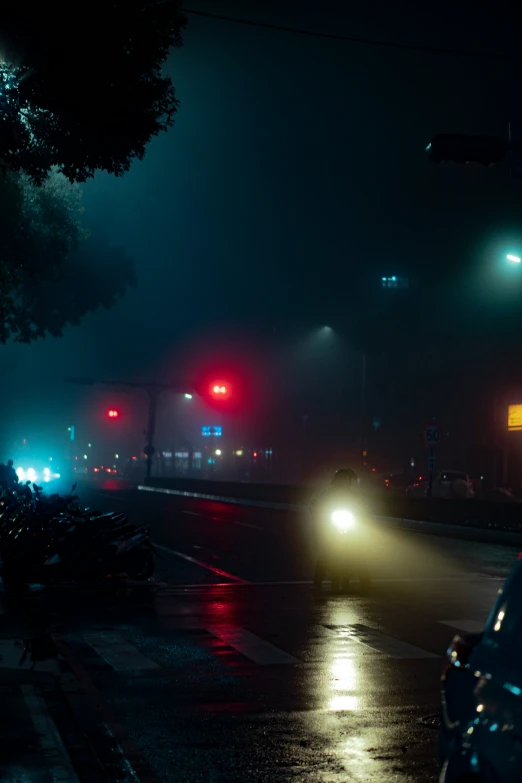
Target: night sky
[294,178]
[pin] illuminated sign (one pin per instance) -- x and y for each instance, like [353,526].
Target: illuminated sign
[515,418]
[215,432]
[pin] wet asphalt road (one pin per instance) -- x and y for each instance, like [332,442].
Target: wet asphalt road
[227,666]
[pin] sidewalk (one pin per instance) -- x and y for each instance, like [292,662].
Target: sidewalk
[31,747]
[40,739]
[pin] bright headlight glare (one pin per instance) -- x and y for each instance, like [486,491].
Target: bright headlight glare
[343,519]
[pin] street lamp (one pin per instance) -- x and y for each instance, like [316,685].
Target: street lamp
[514,259]
[188,396]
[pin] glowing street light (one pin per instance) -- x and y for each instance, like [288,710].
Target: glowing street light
[188,396]
[218,452]
[514,259]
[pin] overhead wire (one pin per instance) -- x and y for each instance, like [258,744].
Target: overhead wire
[353,39]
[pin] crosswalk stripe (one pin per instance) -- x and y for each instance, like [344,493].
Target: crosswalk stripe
[380,642]
[252,646]
[468,626]
[118,652]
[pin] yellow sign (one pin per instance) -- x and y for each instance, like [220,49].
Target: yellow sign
[515,418]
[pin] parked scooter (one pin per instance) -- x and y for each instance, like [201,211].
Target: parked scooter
[51,540]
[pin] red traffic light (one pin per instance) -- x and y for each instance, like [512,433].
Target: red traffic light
[113,414]
[220,390]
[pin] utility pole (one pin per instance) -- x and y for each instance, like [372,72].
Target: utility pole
[363,407]
[153,389]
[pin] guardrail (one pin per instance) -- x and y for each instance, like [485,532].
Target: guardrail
[483,514]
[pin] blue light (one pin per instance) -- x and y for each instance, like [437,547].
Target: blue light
[514,689]
[207,432]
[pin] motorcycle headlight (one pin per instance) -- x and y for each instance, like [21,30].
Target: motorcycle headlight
[343,519]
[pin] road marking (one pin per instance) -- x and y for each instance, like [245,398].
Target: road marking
[245,524]
[60,765]
[200,563]
[252,646]
[468,626]
[381,642]
[220,519]
[11,651]
[237,522]
[118,652]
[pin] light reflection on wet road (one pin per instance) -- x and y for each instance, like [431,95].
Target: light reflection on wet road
[261,681]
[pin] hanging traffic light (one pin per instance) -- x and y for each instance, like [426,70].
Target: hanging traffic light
[113,413]
[464,148]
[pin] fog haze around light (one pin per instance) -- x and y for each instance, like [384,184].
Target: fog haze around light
[293,180]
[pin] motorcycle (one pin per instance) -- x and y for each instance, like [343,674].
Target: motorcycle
[341,550]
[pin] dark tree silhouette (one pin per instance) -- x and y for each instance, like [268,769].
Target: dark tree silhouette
[51,273]
[96,275]
[83,89]
[39,228]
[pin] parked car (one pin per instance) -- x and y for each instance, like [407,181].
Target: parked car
[446,484]
[480,737]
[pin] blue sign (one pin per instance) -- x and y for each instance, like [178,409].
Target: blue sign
[209,432]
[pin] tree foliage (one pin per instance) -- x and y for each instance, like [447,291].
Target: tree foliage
[96,275]
[39,228]
[51,273]
[81,87]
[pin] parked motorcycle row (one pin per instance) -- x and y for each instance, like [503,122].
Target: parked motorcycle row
[52,539]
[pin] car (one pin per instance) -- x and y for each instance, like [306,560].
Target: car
[446,484]
[480,736]
[103,472]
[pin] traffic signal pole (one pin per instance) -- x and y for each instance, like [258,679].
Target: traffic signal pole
[154,390]
[151,427]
